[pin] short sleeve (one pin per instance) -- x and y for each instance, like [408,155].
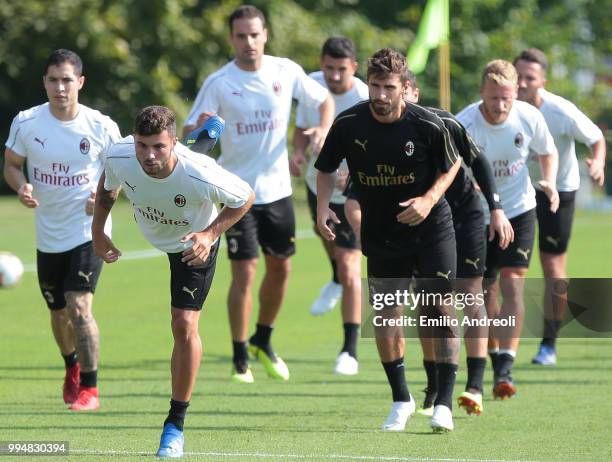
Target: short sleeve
[15,141]
[542,142]
[307,90]
[583,129]
[112,135]
[111,182]
[207,100]
[332,153]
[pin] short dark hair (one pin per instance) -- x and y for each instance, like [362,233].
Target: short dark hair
[152,120]
[533,55]
[62,56]
[387,61]
[246,11]
[339,47]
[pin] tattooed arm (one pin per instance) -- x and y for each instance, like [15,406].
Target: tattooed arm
[102,244]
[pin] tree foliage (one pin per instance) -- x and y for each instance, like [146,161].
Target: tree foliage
[138,53]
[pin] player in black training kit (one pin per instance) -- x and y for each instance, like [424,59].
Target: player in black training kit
[401,160]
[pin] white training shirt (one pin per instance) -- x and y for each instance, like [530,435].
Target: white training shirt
[64,161]
[167,209]
[566,124]
[308,116]
[507,146]
[256,107]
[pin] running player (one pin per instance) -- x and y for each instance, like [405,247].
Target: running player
[64,143]
[506,131]
[401,160]
[253,93]
[173,192]
[566,124]
[337,74]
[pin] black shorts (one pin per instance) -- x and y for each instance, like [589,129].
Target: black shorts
[189,285]
[345,237]
[270,225]
[469,225]
[436,261]
[555,228]
[76,270]
[518,253]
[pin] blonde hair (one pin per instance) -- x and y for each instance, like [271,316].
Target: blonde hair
[500,72]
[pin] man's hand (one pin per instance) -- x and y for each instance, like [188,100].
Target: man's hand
[296,163]
[501,226]
[105,249]
[25,196]
[323,216]
[317,138]
[203,117]
[198,253]
[90,204]
[417,209]
[596,170]
[551,193]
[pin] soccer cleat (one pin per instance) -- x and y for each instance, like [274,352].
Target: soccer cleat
[71,384]
[328,298]
[346,364]
[275,367]
[472,402]
[428,407]
[242,375]
[504,388]
[442,419]
[547,356]
[171,442]
[203,139]
[399,415]
[87,401]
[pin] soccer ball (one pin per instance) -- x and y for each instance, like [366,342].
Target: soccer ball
[11,269]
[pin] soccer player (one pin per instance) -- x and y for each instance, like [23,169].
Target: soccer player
[253,93]
[566,124]
[64,143]
[401,161]
[173,191]
[337,74]
[468,220]
[506,131]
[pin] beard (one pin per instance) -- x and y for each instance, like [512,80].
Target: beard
[383,109]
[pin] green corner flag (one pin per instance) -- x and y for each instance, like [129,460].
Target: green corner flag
[433,31]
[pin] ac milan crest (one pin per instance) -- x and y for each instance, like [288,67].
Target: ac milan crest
[276,86]
[84,146]
[409,148]
[179,200]
[518,140]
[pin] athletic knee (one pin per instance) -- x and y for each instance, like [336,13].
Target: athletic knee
[78,307]
[183,329]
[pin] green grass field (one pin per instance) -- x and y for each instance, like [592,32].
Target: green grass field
[561,413]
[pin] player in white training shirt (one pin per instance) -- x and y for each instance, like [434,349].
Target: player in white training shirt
[506,131]
[63,143]
[566,124]
[337,74]
[173,192]
[253,93]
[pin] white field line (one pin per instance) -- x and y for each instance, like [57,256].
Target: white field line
[152,252]
[263,455]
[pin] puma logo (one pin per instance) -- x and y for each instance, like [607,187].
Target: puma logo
[444,275]
[190,292]
[346,234]
[553,241]
[524,253]
[42,142]
[362,144]
[85,276]
[130,186]
[473,262]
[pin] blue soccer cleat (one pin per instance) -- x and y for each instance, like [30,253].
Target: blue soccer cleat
[171,442]
[203,139]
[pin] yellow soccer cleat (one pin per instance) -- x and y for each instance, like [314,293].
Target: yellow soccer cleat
[472,402]
[275,367]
